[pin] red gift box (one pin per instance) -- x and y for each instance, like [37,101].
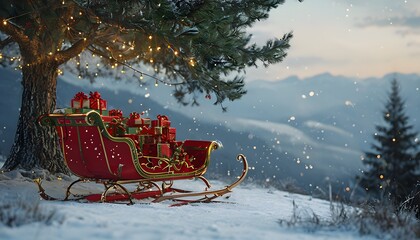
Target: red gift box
[147,139]
[135,120]
[169,134]
[116,113]
[96,102]
[162,121]
[80,100]
[163,150]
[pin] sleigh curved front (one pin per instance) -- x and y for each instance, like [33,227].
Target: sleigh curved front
[91,152]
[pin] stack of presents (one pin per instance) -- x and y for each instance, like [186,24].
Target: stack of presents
[152,137]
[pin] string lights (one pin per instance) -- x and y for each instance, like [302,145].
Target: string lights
[124,48]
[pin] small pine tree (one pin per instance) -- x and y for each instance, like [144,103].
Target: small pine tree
[391,166]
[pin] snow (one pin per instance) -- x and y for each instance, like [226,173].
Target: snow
[294,134]
[251,212]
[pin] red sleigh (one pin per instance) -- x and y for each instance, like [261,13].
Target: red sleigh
[106,148]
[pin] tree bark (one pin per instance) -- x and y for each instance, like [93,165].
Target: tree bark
[36,146]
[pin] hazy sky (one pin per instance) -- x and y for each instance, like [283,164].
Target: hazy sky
[358,38]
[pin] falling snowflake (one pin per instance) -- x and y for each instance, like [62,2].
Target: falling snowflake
[349,103]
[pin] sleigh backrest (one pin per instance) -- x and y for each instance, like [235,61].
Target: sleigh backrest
[89,150]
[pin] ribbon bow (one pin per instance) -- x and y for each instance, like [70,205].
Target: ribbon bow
[134,115]
[95,95]
[80,96]
[116,113]
[162,117]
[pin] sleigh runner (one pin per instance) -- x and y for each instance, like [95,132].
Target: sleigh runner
[104,147]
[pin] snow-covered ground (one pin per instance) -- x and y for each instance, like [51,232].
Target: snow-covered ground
[250,212]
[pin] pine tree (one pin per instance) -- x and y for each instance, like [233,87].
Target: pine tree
[391,166]
[197,45]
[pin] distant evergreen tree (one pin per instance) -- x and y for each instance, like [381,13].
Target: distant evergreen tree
[392,166]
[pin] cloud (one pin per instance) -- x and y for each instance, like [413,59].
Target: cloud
[413,44]
[406,32]
[305,61]
[412,22]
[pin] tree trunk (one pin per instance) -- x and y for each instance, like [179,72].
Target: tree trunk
[36,146]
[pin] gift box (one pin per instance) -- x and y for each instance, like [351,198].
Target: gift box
[147,139]
[158,131]
[169,134]
[80,100]
[162,121]
[133,130]
[115,131]
[81,110]
[66,111]
[117,113]
[163,150]
[96,102]
[136,120]
[116,128]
